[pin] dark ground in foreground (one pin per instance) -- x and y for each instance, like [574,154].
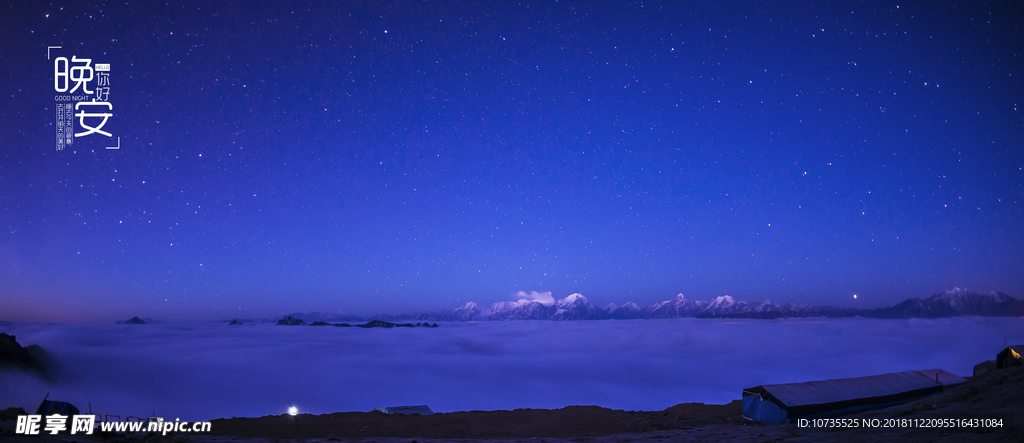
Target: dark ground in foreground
[999,394]
[572,421]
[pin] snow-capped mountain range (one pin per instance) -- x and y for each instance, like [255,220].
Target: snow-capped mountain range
[952,303]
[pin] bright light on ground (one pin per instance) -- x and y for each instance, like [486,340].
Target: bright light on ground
[293,410]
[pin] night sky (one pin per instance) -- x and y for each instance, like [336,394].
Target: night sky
[387,157]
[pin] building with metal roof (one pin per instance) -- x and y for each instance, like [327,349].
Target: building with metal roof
[778,404]
[406,410]
[984,367]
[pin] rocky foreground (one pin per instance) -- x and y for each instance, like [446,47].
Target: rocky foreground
[996,394]
[14,356]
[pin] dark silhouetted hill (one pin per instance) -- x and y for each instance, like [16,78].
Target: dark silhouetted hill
[13,355]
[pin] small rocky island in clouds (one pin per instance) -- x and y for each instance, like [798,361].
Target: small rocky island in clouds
[292,321]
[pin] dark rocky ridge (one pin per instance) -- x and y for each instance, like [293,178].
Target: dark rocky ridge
[291,321]
[13,355]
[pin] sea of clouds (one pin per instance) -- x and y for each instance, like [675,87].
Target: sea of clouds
[203,371]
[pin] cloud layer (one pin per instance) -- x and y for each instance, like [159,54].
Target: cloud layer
[205,371]
[541,297]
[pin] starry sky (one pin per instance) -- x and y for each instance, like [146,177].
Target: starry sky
[393,156]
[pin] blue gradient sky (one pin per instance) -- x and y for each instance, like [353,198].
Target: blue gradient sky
[394,156]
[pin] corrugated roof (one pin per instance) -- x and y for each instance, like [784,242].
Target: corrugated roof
[845,389]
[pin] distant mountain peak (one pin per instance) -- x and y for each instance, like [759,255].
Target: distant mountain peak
[574,297]
[722,301]
[573,300]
